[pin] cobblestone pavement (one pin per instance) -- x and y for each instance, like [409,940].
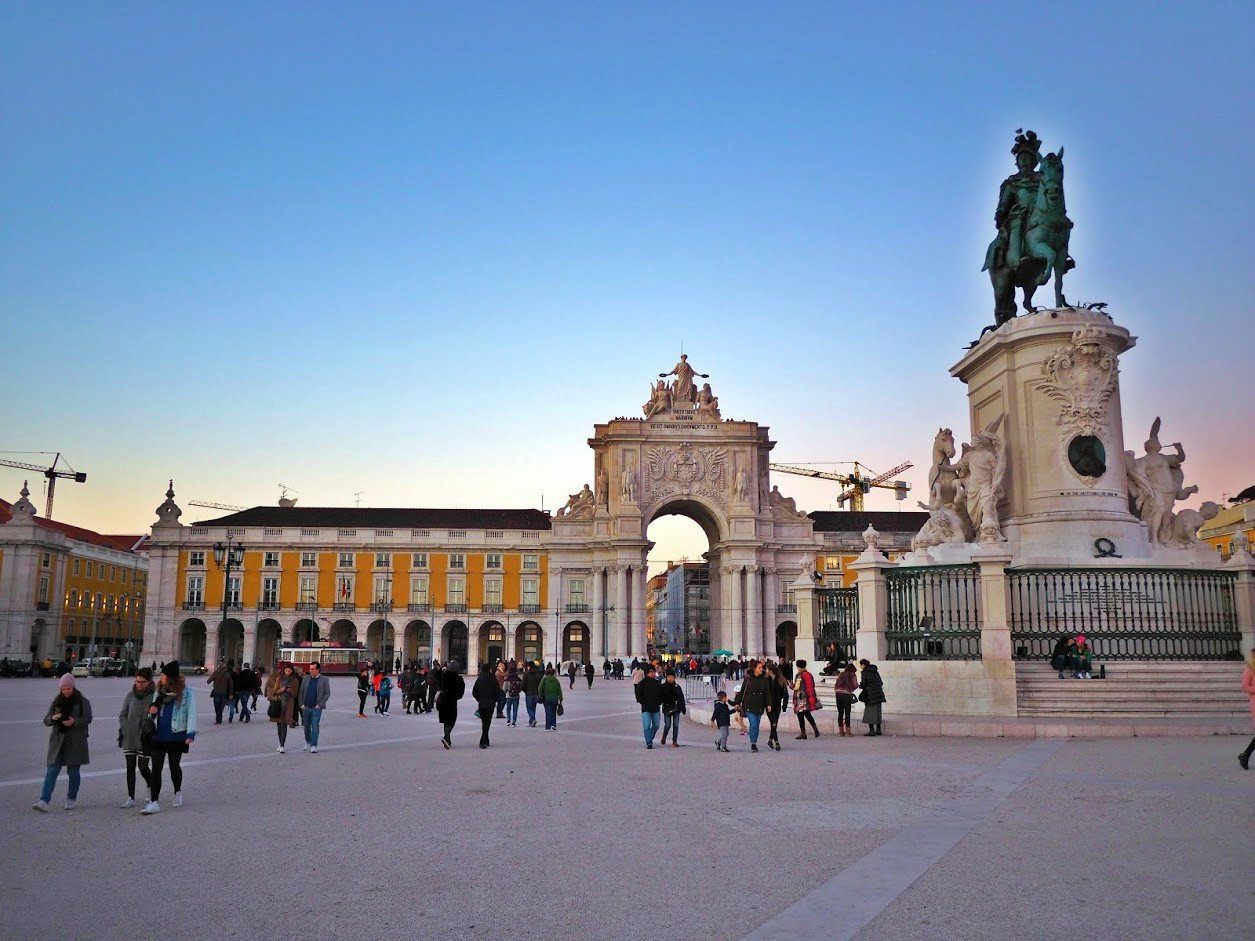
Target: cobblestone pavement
[585,834]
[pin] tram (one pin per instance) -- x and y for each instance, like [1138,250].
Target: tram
[335,659]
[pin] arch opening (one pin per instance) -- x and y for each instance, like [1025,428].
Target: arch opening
[679,608]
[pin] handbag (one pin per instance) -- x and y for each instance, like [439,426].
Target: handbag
[275,709]
[561,711]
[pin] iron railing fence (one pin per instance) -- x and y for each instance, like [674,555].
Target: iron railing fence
[1125,614]
[702,688]
[934,613]
[838,623]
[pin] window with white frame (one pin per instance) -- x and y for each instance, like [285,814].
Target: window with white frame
[100,602]
[88,572]
[309,560]
[383,560]
[307,589]
[531,562]
[457,591]
[531,592]
[46,560]
[233,590]
[111,603]
[457,560]
[270,560]
[76,566]
[123,576]
[196,589]
[575,591]
[113,573]
[418,589]
[346,560]
[344,589]
[420,560]
[833,563]
[786,591]
[383,589]
[270,590]
[43,589]
[492,589]
[73,597]
[492,560]
[195,558]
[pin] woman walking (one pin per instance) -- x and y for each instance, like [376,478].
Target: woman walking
[513,687]
[283,693]
[452,688]
[550,693]
[1248,687]
[174,711]
[385,694]
[363,691]
[845,686]
[68,717]
[777,701]
[485,693]
[752,699]
[872,697]
[805,699]
[135,727]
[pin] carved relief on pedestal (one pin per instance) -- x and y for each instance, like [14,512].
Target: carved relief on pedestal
[1082,377]
[682,470]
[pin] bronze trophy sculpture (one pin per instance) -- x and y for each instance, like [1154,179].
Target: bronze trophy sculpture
[1033,229]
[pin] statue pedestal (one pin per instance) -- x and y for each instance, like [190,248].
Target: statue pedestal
[1054,376]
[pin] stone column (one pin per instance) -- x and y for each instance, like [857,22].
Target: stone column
[729,637]
[599,642]
[622,609]
[807,617]
[738,611]
[995,602]
[249,651]
[754,611]
[213,635]
[771,598]
[472,647]
[873,604]
[1242,563]
[638,609]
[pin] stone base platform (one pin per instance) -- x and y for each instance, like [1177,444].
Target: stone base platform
[1008,727]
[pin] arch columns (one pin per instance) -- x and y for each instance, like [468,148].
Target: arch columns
[622,606]
[637,647]
[771,589]
[754,611]
[599,643]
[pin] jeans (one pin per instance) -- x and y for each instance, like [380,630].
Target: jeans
[500,705]
[385,703]
[551,713]
[173,751]
[723,735]
[671,723]
[311,718]
[531,707]
[220,702]
[241,703]
[649,724]
[512,709]
[50,782]
[755,718]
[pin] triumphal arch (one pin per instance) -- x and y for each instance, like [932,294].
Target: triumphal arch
[682,457]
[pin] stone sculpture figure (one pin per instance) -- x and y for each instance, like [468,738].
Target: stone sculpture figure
[603,488]
[707,403]
[1187,523]
[684,389]
[981,468]
[946,506]
[659,399]
[739,486]
[1156,482]
[627,486]
[579,506]
[784,506]
[1033,229]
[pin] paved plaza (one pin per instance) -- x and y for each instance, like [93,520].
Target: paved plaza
[585,834]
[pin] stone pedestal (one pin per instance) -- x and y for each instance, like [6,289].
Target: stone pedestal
[873,605]
[995,602]
[1242,564]
[1054,377]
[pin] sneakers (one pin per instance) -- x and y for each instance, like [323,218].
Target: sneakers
[305,747]
[41,806]
[753,748]
[446,743]
[281,750]
[69,804]
[128,803]
[152,807]
[313,749]
[649,745]
[178,798]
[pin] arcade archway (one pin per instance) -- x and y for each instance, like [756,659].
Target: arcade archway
[491,644]
[192,635]
[418,641]
[529,642]
[266,645]
[575,642]
[454,643]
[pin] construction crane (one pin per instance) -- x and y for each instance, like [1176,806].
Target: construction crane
[52,474]
[215,506]
[857,484]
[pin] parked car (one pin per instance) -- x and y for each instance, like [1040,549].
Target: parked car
[82,668]
[107,666]
[191,668]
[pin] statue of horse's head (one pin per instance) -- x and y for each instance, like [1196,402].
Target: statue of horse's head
[943,444]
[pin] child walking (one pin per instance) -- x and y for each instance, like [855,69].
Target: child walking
[722,720]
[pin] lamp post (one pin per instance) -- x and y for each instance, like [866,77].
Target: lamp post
[227,556]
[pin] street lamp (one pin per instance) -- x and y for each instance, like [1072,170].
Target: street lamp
[227,556]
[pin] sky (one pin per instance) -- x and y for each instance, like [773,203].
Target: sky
[408,254]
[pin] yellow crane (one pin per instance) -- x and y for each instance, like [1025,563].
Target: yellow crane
[52,475]
[856,484]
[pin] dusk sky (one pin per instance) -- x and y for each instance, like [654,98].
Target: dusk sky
[416,251]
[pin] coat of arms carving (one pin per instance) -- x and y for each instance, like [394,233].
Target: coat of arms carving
[682,470]
[1081,378]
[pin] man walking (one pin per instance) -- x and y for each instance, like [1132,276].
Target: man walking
[245,682]
[649,695]
[589,672]
[485,693]
[315,692]
[531,686]
[223,688]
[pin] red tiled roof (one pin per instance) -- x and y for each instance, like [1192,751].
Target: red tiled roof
[122,543]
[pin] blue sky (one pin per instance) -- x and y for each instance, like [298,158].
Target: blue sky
[417,250]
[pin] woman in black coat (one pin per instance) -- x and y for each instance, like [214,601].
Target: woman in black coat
[452,688]
[872,697]
[485,692]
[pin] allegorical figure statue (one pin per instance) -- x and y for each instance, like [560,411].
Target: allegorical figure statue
[627,491]
[659,399]
[580,505]
[1156,482]
[707,403]
[1033,229]
[981,470]
[603,487]
[684,389]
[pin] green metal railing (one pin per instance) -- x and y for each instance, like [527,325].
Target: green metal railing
[934,613]
[1125,614]
[838,622]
